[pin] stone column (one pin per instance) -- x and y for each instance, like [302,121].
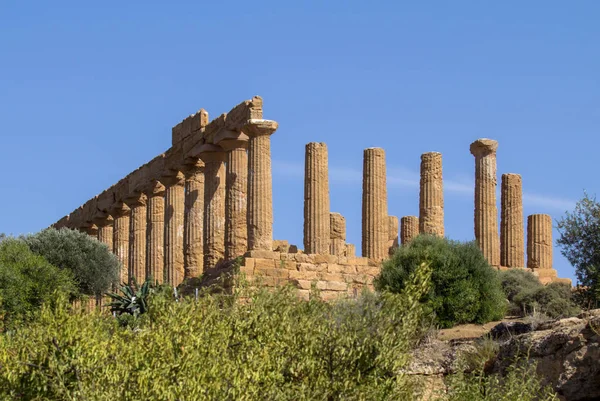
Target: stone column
[486,212]
[120,213]
[409,229]
[91,230]
[137,238]
[214,207]
[105,231]
[337,224]
[512,241]
[392,234]
[260,184]
[316,200]
[374,206]
[539,241]
[155,242]
[431,195]
[174,208]
[194,220]
[236,202]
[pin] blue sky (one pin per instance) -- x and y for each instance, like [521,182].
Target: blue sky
[89,92]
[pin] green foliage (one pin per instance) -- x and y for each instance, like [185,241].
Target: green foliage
[134,300]
[527,295]
[465,288]
[94,267]
[27,280]
[580,243]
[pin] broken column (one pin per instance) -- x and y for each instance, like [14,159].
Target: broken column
[316,200]
[260,184]
[194,220]
[392,234]
[120,213]
[512,241]
[374,206]
[174,209]
[155,242]
[337,224]
[431,195]
[409,229]
[236,202]
[137,238]
[539,241]
[486,212]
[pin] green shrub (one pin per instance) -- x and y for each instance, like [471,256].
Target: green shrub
[94,267]
[257,344]
[465,289]
[27,280]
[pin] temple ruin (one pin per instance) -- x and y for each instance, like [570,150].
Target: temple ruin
[208,199]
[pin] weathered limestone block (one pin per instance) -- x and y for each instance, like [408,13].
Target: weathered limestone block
[120,212]
[392,234]
[409,229]
[486,212]
[539,241]
[174,211]
[214,205]
[236,203]
[337,235]
[512,241]
[316,200]
[282,246]
[137,238]
[350,251]
[105,231]
[193,247]
[374,206]
[260,184]
[431,195]
[155,226]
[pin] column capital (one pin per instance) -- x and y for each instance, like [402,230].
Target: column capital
[155,188]
[136,199]
[484,147]
[229,139]
[193,166]
[119,209]
[258,127]
[212,153]
[103,220]
[176,178]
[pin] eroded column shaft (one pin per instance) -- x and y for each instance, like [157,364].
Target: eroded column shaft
[260,194]
[214,208]
[194,220]
[316,200]
[431,195]
[155,243]
[174,210]
[409,229]
[121,239]
[106,232]
[374,205]
[137,240]
[512,241]
[539,241]
[236,203]
[337,224]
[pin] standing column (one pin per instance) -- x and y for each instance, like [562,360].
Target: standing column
[214,207]
[155,243]
[120,213]
[194,220]
[486,211]
[409,229]
[337,224]
[512,241]
[374,205]
[431,196]
[91,230]
[174,207]
[137,238]
[105,231]
[539,241]
[260,184]
[316,199]
[236,202]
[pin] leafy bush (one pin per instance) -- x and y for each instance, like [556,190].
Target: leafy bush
[465,288]
[27,280]
[527,295]
[254,345]
[94,267]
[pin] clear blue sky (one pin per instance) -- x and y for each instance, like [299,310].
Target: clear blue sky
[89,92]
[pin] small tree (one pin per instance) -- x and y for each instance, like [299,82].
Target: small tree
[93,265]
[580,243]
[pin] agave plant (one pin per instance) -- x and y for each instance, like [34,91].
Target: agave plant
[133,301]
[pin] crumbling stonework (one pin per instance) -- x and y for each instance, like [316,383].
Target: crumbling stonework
[486,212]
[374,205]
[236,203]
[193,248]
[512,240]
[409,229]
[431,195]
[337,234]
[316,200]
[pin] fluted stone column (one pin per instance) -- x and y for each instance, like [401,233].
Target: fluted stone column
[236,203]
[512,241]
[337,224]
[486,211]
[260,184]
[137,238]
[431,196]
[105,231]
[392,234]
[155,242]
[316,200]
[194,220]
[214,207]
[374,205]
[409,229]
[174,209]
[120,213]
[539,241]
